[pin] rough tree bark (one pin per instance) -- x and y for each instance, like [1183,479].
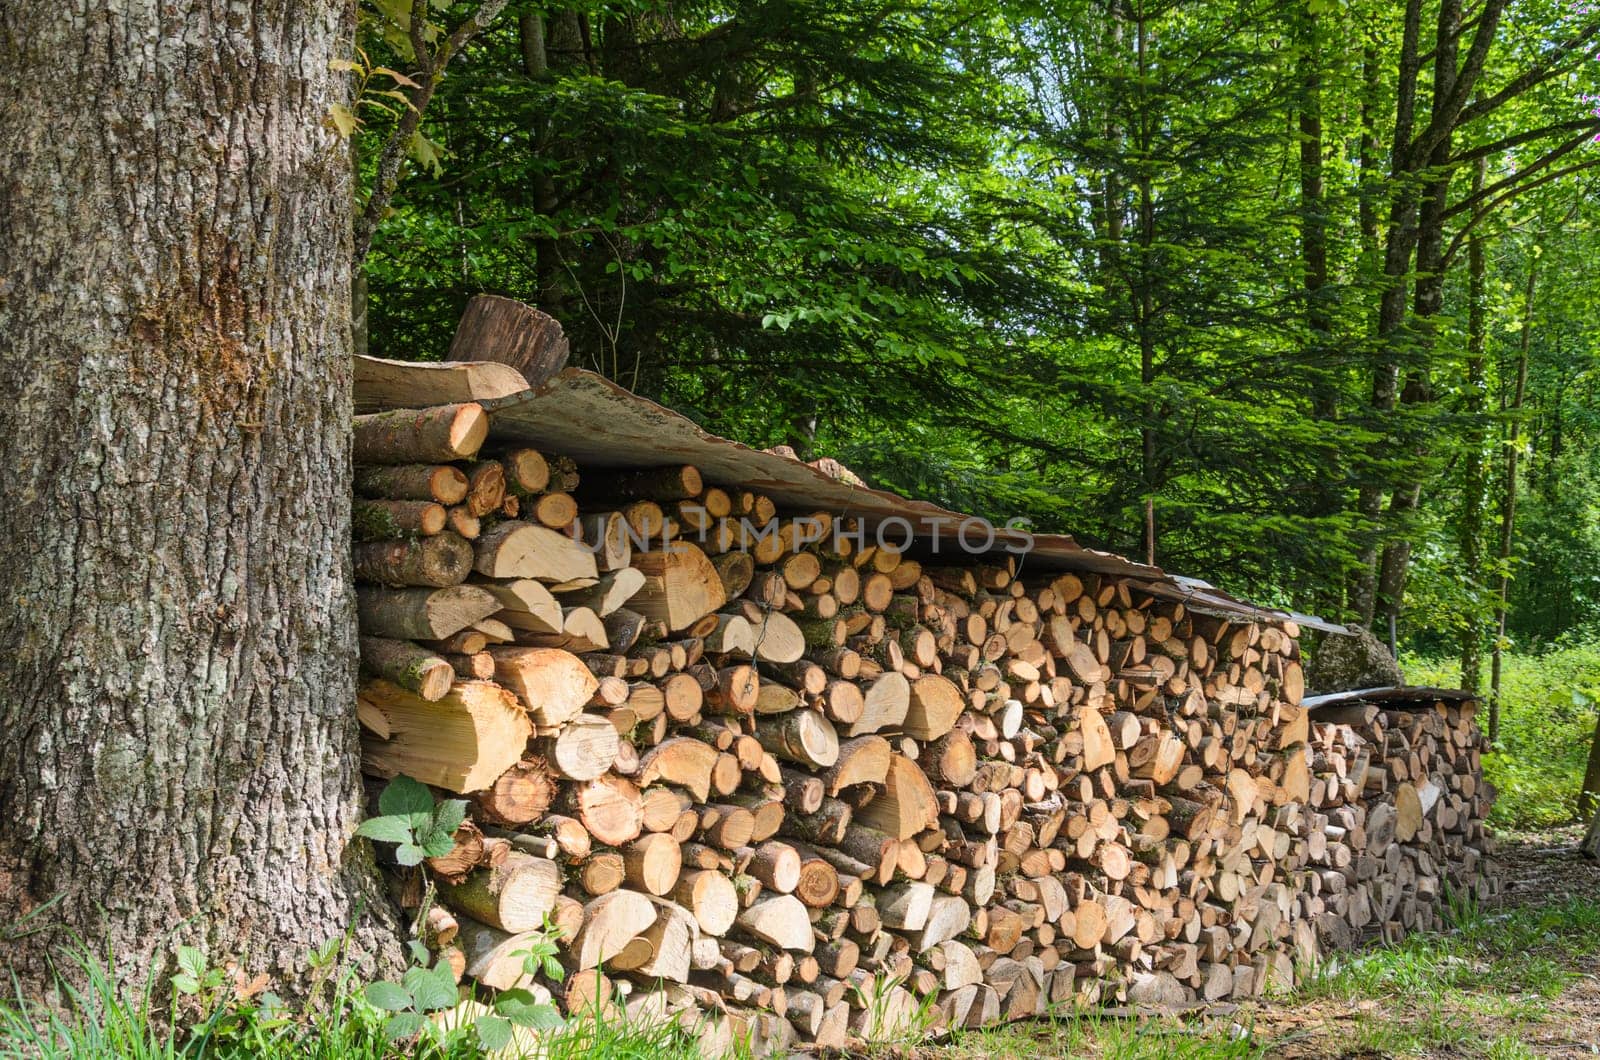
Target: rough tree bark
[177,635]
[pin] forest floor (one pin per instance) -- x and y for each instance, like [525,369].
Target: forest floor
[1520,978]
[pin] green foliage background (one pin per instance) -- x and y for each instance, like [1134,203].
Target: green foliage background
[1054,260]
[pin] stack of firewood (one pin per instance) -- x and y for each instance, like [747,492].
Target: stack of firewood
[1398,809]
[759,767]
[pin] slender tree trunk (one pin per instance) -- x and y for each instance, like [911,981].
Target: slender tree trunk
[1590,846]
[1145,300]
[1328,498]
[1399,241]
[1589,794]
[1475,484]
[546,254]
[177,633]
[1508,506]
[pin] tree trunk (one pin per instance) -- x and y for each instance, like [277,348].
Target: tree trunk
[1475,485]
[1428,302]
[1590,846]
[177,642]
[1589,794]
[1508,505]
[1399,242]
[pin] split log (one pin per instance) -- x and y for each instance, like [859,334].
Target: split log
[680,587]
[463,741]
[553,684]
[515,549]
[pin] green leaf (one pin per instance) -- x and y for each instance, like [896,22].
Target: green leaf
[185,984]
[419,952]
[321,955]
[408,854]
[438,844]
[433,988]
[386,829]
[191,961]
[405,796]
[404,1025]
[493,1032]
[553,970]
[521,1008]
[391,997]
[450,814]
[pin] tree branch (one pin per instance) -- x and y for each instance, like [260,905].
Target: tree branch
[1534,75]
[1484,150]
[431,70]
[1471,201]
[1489,207]
[1447,113]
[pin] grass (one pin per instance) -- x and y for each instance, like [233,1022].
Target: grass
[99,1020]
[1546,724]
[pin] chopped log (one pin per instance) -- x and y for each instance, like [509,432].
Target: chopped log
[553,684]
[379,520]
[609,808]
[442,560]
[520,795]
[950,761]
[781,921]
[438,483]
[711,897]
[653,862]
[515,549]
[777,866]
[494,957]
[463,741]
[583,749]
[611,592]
[801,736]
[671,938]
[680,760]
[777,638]
[404,664]
[671,483]
[525,604]
[863,760]
[935,705]
[905,906]
[609,923]
[885,703]
[907,804]
[486,487]
[512,896]
[527,472]
[506,331]
[681,586]
[420,436]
